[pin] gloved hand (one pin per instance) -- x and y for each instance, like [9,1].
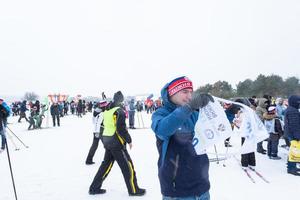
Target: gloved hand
[97,135]
[200,100]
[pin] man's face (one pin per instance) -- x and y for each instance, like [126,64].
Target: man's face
[182,97]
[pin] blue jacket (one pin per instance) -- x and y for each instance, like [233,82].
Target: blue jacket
[4,113]
[131,106]
[292,118]
[182,173]
[23,107]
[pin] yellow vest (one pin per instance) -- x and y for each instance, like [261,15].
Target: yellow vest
[109,122]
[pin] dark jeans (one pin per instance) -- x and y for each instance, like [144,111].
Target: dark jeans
[57,119]
[259,146]
[131,118]
[272,146]
[2,139]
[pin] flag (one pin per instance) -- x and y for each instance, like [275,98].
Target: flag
[211,127]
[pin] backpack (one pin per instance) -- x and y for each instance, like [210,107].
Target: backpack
[7,109]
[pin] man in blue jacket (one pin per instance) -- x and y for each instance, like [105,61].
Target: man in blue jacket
[292,128]
[183,174]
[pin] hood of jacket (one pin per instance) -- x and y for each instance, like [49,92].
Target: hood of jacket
[165,98]
[294,101]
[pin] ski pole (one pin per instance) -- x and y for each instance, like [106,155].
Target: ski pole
[138,117]
[11,172]
[12,141]
[17,137]
[216,154]
[142,120]
[226,154]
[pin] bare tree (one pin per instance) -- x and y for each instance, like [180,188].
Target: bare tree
[30,96]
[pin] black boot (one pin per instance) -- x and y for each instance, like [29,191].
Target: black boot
[293,172]
[89,162]
[96,191]
[138,192]
[262,151]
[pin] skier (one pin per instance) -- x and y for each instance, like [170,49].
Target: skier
[182,174]
[114,138]
[97,121]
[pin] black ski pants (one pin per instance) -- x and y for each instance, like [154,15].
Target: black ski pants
[93,148]
[125,163]
[22,115]
[248,158]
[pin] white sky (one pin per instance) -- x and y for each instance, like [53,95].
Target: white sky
[86,47]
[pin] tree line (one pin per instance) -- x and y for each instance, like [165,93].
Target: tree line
[273,85]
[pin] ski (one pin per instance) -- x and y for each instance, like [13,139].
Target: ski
[259,175]
[248,174]
[244,169]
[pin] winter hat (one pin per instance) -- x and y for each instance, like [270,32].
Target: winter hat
[118,97]
[179,84]
[103,103]
[271,109]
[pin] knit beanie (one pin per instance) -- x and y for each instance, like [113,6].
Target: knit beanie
[179,84]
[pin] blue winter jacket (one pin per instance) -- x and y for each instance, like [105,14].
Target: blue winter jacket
[292,118]
[23,107]
[131,106]
[182,173]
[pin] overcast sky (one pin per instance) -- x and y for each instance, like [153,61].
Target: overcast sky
[89,46]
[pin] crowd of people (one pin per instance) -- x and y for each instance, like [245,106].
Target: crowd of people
[182,174]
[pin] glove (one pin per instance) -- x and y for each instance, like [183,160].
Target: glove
[200,100]
[97,135]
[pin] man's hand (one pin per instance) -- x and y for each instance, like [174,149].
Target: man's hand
[200,100]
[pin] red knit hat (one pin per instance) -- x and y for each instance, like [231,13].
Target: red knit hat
[179,84]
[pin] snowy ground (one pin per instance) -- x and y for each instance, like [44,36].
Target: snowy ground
[53,167]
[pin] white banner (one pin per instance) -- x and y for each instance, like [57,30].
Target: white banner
[213,126]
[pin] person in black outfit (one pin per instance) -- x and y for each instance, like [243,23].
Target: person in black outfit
[114,138]
[54,110]
[80,108]
[23,110]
